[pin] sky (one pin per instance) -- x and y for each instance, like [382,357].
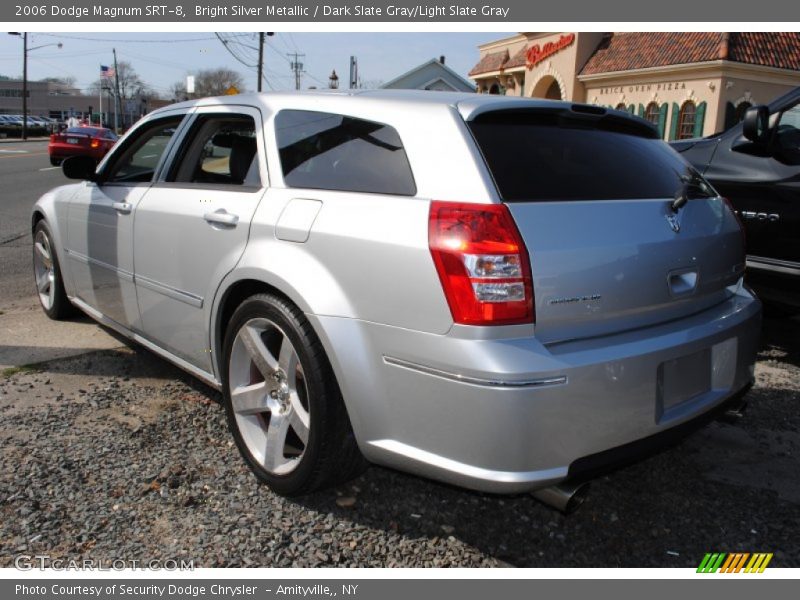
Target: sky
[162,59]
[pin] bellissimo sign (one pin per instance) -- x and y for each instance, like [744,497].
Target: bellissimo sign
[537,53]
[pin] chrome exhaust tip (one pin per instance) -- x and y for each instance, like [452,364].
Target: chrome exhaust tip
[734,414]
[565,497]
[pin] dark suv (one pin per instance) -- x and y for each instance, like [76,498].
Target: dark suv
[756,165]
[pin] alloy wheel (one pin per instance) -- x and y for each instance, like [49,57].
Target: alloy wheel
[269,396]
[44,269]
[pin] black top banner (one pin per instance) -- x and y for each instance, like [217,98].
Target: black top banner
[402,11]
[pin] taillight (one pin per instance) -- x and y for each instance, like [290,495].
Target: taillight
[482,263]
[95,143]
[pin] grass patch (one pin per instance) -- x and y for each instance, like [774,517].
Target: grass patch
[15,370]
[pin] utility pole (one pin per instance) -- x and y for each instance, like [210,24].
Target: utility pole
[116,94]
[25,51]
[260,59]
[25,86]
[297,67]
[24,37]
[353,72]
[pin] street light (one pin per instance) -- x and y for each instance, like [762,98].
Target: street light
[333,81]
[25,51]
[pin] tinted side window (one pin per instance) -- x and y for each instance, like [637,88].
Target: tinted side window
[137,160]
[789,132]
[336,152]
[219,149]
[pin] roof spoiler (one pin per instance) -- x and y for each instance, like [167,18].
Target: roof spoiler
[560,114]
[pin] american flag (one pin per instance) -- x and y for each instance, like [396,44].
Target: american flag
[106,72]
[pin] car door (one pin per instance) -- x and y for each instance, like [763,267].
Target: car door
[100,221]
[192,226]
[764,187]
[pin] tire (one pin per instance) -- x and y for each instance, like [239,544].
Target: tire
[47,275]
[282,402]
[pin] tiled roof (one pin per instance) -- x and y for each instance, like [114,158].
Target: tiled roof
[626,51]
[518,60]
[493,61]
[780,49]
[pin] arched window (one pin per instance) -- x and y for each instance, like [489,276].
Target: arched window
[652,113]
[621,106]
[495,89]
[741,108]
[686,120]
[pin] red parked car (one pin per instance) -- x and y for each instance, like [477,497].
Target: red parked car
[81,141]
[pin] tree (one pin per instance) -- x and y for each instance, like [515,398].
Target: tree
[209,82]
[177,91]
[130,84]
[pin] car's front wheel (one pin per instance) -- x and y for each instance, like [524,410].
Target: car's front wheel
[47,273]
[283,405]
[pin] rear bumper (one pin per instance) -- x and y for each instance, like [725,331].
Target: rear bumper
[62,151]
[513,415]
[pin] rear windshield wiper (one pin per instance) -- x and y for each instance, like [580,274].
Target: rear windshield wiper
[692,181]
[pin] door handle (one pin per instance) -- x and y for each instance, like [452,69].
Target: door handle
[123,207]
[682,282]
[222,217]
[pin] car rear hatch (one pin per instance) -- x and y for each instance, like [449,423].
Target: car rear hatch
[592,193]
[77,140]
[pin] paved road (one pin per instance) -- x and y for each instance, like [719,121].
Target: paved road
[26,335]
[26,174]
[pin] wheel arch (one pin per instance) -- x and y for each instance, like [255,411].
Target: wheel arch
[52,209]
[229,299]
[236,288]
[38,215]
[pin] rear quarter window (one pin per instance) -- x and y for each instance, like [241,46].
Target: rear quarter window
[540,157]
[336,152]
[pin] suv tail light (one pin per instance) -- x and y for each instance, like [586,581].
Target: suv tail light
[482,263]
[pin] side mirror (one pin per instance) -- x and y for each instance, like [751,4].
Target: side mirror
[80,167]
[755,126]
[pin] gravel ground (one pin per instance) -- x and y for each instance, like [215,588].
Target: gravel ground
[118,455]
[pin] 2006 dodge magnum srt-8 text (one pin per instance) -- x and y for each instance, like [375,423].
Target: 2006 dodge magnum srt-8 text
[494,292]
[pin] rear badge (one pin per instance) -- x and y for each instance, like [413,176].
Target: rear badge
[573,299]
[673,222]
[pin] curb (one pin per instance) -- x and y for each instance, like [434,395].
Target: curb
[21,141]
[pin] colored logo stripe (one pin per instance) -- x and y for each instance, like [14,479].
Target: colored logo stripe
[758,563]
[734,562]
[711,562]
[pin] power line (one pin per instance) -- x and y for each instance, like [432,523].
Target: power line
[226,44]
[120,41]
[278,52]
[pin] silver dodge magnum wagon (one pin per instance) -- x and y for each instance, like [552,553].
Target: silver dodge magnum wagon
[500,293]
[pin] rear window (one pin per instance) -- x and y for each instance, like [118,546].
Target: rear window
[336,152]
[543,157]
[90,131]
